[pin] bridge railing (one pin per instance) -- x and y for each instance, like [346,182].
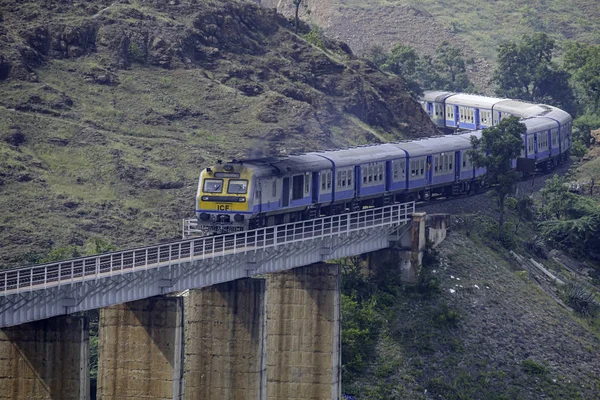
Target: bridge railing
[94,267]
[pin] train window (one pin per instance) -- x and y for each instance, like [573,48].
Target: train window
[449,112]
[403,166]
[323,180]
[328,179]
[274,194]
[422,167]
[339,179]
[450,157]
[412,168]
[213,185]
[364,171]
[370,173]
[343,178]
[380,172]
[435,164]
[395,169]
[349,177]
[237,186]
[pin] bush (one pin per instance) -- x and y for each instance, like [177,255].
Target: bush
[531,367]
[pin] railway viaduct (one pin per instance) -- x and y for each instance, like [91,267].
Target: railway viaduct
[251,315]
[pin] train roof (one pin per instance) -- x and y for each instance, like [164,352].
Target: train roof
[536,124]
[363,154]
[436,95]
[559,115]
[521,108]
[472,100]
[287,164]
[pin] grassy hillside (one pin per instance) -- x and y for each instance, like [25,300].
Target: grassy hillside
[484,24]
[109,110]
[476,27]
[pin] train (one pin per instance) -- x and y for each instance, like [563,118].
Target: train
[247,194]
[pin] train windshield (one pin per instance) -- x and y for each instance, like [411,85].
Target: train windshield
[237,186]
[213,185]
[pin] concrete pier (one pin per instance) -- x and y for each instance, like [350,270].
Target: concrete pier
[45,360]
[224,346]
[140,350]
[405,252]
[303,333]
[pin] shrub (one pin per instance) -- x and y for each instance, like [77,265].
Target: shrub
[531,367]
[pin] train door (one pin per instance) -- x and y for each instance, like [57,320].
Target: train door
[258,195]
[357,182]
[457,164]
[315,187]
[430,109]
[285,196]
[535,144]
[428,171]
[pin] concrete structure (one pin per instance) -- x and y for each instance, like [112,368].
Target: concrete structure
[437,226]
[276,336]
[303,333]
[45,360]
[225,341]
[140,350]
[405,251]
[42,291]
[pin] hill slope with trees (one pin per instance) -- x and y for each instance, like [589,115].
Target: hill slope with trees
[110,109]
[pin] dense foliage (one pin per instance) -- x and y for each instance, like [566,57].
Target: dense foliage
[494,151]
[570,221]
[447,70]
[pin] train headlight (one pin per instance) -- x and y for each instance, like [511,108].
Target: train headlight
[241,199]
[204,198]
[204,216]
[238,218]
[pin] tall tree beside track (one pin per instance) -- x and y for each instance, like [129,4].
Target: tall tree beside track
[525,71]
[583,62]
[495,149]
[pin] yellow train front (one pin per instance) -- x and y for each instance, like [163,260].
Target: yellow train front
[223,202]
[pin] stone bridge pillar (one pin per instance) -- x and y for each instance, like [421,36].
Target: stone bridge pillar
[140,350]
[45,360]
[303,333]
[224,344]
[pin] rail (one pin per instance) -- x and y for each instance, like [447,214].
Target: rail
[43,276]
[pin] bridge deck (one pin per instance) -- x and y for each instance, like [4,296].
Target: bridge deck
[42,291]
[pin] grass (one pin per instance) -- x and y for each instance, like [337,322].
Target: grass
[471,19]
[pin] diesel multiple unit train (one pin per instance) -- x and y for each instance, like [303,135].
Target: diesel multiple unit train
[247,194]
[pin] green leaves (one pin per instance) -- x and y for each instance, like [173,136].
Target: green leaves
[445,71]
[495,149]
[525,71]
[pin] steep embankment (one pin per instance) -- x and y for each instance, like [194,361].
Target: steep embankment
[109,109]
[484,324]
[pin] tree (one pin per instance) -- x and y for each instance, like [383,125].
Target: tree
[297,4]
[453,67]
[583,61]
[495,149]
[404,61]
[445,71]
[525,71]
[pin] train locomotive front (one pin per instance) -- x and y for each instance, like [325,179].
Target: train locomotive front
[224,201]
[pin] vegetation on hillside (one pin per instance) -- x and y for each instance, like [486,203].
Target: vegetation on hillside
[494,151]
[109,110]
[445,71]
